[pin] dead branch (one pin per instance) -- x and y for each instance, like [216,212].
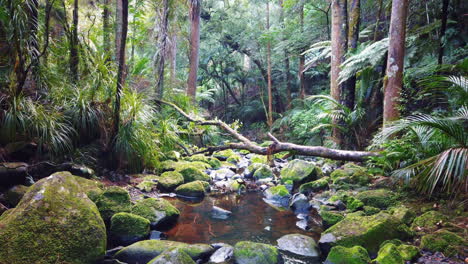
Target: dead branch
[276,147]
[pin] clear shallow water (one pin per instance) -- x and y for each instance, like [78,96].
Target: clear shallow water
[252,219]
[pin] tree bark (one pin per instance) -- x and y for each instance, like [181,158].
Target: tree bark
[121,65]
[378,20]
[354,14]
[339,47]
[301,56]
[162,49]
[443,28]
[195,9]
[270,97]
[35,53]
[276,146]
[106,27]
[74,57]
[173,72]
[395,63]
[118,28]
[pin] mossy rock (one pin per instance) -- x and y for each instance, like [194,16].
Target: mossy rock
[192,174]
[352,255]
[262,159]
[368,231]
[314,186]
[428,221]
[389,254]
[408,252]
[113,200]
[299,171]
[55,222]
[174,255]
[234,159]
[224,155]
[444,241]
[92,188]
[279,190]
[263,172]
[195,189]
[246,252]
[157,210]
[370,210]
[147,186]
[330,218]
[213,162]
[403,213]
[380,198]
[351,174]
[353,204]
[255,166]
[126,228]
[236,185]
[14,194]
[146,250]
[169,180]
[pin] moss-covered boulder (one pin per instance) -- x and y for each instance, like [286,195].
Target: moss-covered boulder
[263,172]
[314,186]
[370,210]
[192,174]
[246,252]
[330,218]
[298,244]
[158,211]
[224,155]
[195,189]
[113,200]
[444,241]
[403,213]
[380,198]
[429,221]
[146,250]
[254,166]
[366,231]
[147,186]
[408,252]
[262,159]
[353,204]
[213,162]
[278,195]
[299,171]
[351,173]
[169,180]
[55,222]
[352,255]
[126,228]
[13,195]
[174,255]
[389,254]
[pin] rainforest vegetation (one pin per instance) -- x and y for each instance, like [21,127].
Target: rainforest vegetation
[233,131]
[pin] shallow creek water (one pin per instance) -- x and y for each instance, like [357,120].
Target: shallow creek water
[252,219]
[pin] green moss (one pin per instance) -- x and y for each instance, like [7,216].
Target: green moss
[155,210]
[113,200]
[330,218]
[192,189]
[443,241]
[403,214]
[255,166]
[370,210]
[174,255]
[262,159]
[428,221]
[192,174]
[55,222]
[247,252]
[389,254]
[408,252]
[263,172]
[213,162]
[299,171]
[234,159]
[338,173]
[396,242]
[351,174]
[353,255]
[225,154]
[279,190]
[147,186]
[368,231]
[169,180]
[14,194]
[314,186]
[353,204]
[128,227]
[379,198]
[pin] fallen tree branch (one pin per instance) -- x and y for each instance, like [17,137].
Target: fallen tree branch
[276,147]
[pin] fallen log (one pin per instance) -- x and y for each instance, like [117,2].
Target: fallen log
[276,147]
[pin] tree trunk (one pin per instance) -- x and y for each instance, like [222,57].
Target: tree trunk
[106,28]
[173,72]
[162,49]
[74,57]
[270,97]
[443,27]
[395,62]
[195,9]
[354,14]
[121,65]
[286,77]
[378,20]
[118,28]
[35,53]
[339,46]
[301,56]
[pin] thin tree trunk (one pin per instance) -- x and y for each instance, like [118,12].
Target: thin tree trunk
[286,77]
[270,97]
[35,53]
[354,14]
[121,65]
[74,57]
[301,56]
[195,9]
[118,28]
[106,27]
[395,62]
[443,28]
[377,23]
[339,47]
[173,72]
[162,49]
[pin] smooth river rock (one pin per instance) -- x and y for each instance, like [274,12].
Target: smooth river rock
[299,244]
